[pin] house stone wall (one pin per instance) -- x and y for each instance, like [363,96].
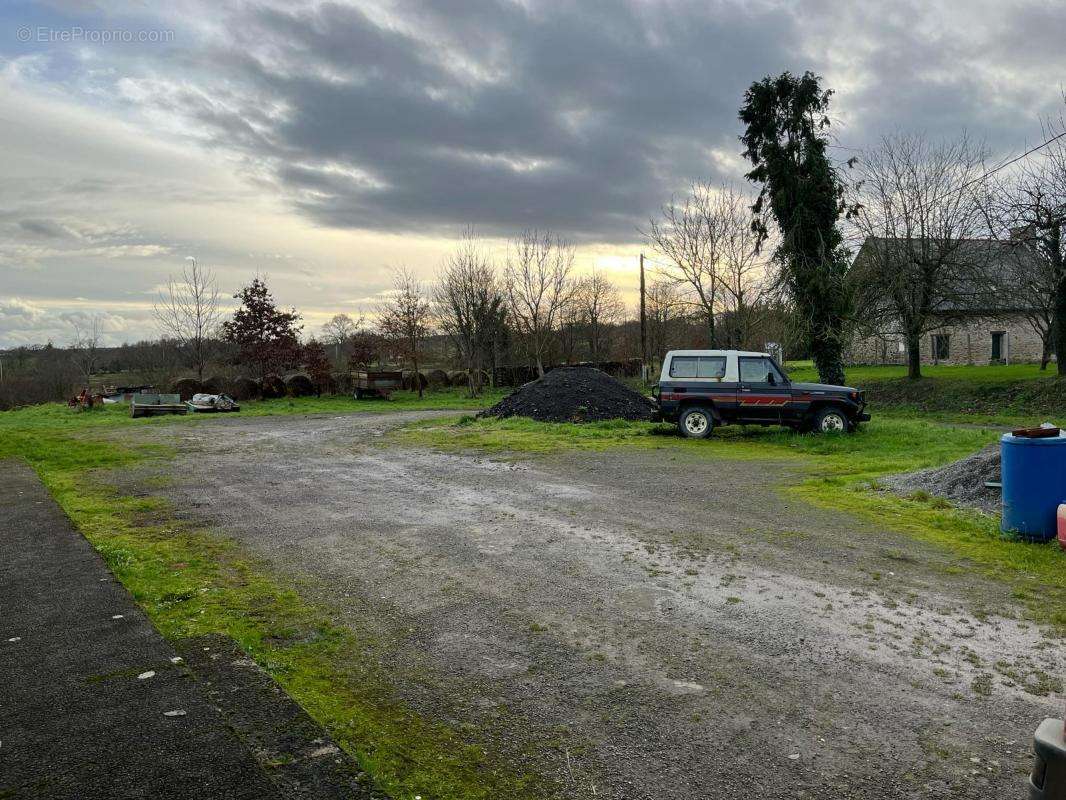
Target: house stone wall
[970,342]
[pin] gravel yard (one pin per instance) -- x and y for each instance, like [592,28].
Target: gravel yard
[637,623]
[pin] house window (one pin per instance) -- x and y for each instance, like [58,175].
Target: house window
[999,345]
[941,347]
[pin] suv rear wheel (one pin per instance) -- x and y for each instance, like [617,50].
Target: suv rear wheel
[831,420]
[696,422]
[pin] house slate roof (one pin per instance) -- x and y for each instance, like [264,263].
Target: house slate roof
[1002,257]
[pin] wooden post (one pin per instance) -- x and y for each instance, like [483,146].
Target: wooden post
[643,327]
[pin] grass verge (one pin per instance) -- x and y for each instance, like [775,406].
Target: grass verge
[193,582]
[443,399]
[842,473]
[1011,393]
[984,373]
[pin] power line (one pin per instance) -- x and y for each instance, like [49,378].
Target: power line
[660,263]
[989,173]
[1014,160]
[968,184]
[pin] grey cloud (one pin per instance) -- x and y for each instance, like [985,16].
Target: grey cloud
[46,229]
[578,116]
[581,116]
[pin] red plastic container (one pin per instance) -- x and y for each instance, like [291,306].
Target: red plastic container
[1062,525]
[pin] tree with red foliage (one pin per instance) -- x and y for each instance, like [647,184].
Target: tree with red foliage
[268,337]
[317,364]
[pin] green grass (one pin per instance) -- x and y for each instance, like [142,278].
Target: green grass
[841,474]
[1013,394]
[881,447]
[57,417]
[193,582]
[443,399]
[518,434]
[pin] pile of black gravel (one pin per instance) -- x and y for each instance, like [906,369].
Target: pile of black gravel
[962,481]
[574,394]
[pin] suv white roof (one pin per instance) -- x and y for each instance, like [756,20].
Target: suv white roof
[715,353]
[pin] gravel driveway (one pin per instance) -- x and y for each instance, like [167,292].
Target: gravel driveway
[639,624]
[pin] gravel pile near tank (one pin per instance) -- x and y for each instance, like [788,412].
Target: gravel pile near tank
[574,394]
[962,481]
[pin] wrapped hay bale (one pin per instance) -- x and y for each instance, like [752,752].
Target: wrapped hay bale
[412,380]
[216,384]
[515,375]
[273,387]
[299,384]
[457,378]
[186,387]
[245,388]
[436,377]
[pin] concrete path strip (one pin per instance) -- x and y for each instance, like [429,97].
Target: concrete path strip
[91,703]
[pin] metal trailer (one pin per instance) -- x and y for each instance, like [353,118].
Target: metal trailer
[376,384]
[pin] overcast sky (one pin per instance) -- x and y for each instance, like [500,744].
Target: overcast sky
[321,144]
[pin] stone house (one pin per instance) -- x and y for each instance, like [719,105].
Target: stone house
[983,332]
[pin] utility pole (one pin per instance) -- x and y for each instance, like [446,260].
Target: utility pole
[643,327]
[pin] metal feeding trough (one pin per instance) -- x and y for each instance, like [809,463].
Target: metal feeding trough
[147,405]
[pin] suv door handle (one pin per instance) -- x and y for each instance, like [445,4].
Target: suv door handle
[745,388]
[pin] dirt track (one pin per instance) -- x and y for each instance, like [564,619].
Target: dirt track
[639,624]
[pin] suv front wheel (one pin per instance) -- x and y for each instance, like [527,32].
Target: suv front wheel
[696,423]
[831,420]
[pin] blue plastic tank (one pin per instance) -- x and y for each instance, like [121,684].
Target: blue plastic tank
[1034,483]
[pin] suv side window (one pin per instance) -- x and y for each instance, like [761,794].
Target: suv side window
[707,367]
[755,370]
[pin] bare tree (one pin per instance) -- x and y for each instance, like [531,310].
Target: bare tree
[1032,287]
[188,312]
[664,313]
[917,206]
[688,235]
[745,270]
[707,240]
[469,303]
[339,332]
[404,319]
[85,346]
[538,287]
[157,363]
[1028,211]
[599,308]
[569,330]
